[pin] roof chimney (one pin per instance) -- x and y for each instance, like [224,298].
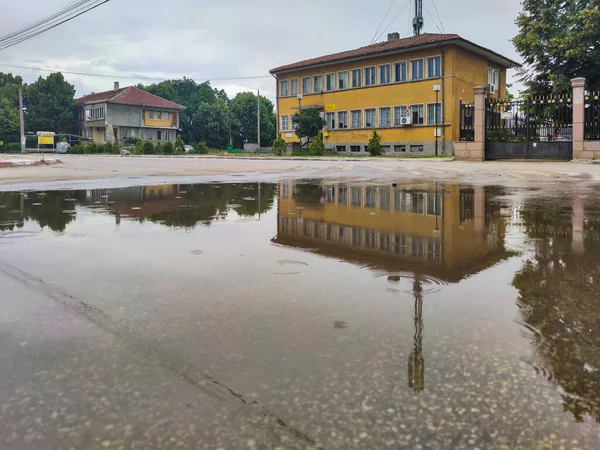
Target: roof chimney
[393,37]
[116,85]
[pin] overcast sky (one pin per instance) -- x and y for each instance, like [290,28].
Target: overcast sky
[151,40]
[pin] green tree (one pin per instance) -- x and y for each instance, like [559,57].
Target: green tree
[9,106]
[317,148]
[374,147]
[212,124]
[179,145]
[558,41]
[244,110]
[279,145]
[309,124]
[50,105]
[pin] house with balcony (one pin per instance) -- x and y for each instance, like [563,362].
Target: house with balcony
[123,113]
[408,88]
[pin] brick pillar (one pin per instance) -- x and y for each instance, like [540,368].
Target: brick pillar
[579,85]
[479,120]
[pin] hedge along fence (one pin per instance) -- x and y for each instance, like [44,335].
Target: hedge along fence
[138,147]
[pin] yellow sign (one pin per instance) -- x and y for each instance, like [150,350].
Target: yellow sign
[1,142]
[330,107]
[45,140]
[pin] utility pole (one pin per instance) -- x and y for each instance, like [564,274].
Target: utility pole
[22,120]
[258,121]
[418,20]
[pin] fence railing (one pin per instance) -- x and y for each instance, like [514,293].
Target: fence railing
[592,116]
[465,115]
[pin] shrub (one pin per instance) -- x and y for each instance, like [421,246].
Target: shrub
[76,149]
[13,147]
[138,147]
[317,147]
[179,145]
[158,149]
[201,148]
[167,148]
[374,147]
[130,141]
[90,149]
[279,146]
[148,148]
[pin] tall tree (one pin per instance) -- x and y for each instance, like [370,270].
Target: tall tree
[244,109]
[50,105]
[309,124]
[9,106]
[212,124]
[558,40]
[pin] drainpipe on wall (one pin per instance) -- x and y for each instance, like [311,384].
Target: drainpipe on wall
[443,105]
[277,131]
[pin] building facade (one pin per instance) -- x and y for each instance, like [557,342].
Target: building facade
[409,89]
[121,114]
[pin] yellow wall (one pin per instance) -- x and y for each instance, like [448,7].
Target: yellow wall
[98,135]
[457,65]
[171,122]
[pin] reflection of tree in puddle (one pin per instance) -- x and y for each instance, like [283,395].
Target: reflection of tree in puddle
[559,301]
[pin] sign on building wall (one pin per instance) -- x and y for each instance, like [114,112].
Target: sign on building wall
[45,137]
[330,107]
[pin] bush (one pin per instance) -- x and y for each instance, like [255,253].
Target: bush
[279,146]
[76,149]
[148,148]
[179,145]
[158,148]
[138,147]
[167,148]
[201,148]
[317,148]
[90,149]
[13,147]
[130,141]
[374,148]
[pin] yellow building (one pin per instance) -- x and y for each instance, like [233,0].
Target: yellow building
[409,89]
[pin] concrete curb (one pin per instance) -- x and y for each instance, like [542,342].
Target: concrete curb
[28,162]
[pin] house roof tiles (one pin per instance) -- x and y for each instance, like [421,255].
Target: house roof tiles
[131,96]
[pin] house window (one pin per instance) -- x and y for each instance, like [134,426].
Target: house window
[306,85]
[370,75]
[384,117]
[356,196]
[167,135]
[159,115]
[399,113]
[343,119]
[294,87]
[143,134]
[340,148]
[400,72]
[150,134]
[167,116]
[283,88]
[370,196]
[355,148]
[433,67]
[330,120]
[434,204]
[384,74]
[95,113]
[150,114]
[343,193]
[356,78]
[416,148]
[417,114]
[343,80]
[434,113]
[399,148]
[370,118]
[417,201]
[416,69]
[330,82]
[317,84]
[356,119]
[284,123]
[158,135]
[493,76]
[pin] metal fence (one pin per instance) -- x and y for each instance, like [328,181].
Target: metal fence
[592,116]
[465,115]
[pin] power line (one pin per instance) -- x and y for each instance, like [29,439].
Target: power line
[432,19]
[19,39]
[394,19]
[438,15]
[382,20]
[409,17]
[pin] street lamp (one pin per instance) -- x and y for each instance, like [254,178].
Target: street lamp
[436,88]
[300,97]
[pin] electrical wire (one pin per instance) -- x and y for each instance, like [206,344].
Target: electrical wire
[438,15]
[24,37]
[432,19]
[382,20]
[394,19]
[409,16]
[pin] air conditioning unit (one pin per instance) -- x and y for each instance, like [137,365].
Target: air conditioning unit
[492,89]
[406,120]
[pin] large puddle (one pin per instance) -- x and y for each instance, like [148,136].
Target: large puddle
[418,315]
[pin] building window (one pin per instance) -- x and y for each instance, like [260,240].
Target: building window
[283,88]
[384,117]
[340,148]
[330,82]
[434,113]
[384,74]
[284,123]
[433,67]
[158,115]
[150,114]
[399,148]
[343,193]
[416,148]
[370,75]
[370,197]
[150,134]
[167,135]
[317,84]
[355,148]
[356,78]
[370,118]
[343,80]
[294,87]
[417,114]
[167,116]
[306,85]
[434,204]
[159,135]
[356,196]
[416,69]
[356,119]
[493,76]
[95,113]
[400,72]
[417,203]
[399,113]
[343,119]
[330,120]
[385,198]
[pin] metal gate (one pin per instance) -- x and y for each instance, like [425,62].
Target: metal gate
[531,128]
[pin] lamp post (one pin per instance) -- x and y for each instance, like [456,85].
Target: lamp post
[299,97]
[436,88]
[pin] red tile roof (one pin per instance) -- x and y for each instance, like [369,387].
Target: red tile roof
[131,96]
[384,47]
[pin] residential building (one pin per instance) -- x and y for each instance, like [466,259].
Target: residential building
[127,113]
[391,86]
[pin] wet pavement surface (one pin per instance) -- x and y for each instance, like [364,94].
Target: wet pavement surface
[300,315]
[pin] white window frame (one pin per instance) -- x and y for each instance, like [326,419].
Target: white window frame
[359,71]
[283,83]
[167,115]
[340,122]
[411,70]
[360,122]
[95,113]
[320,88]
[292,93]
[491,72]
[400,116]
[405,71]
[365,117]
[366,78]
[281,127]
[330,114]
[379,67]
[338,80]
[331,74]
[389,108]
[167,136]
[411,113]
[159,115]
[427,114]
[302,85]
[439,58]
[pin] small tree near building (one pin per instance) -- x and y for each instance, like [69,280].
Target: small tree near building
[374,147]
[309,124]
[317,147]
[279,145]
